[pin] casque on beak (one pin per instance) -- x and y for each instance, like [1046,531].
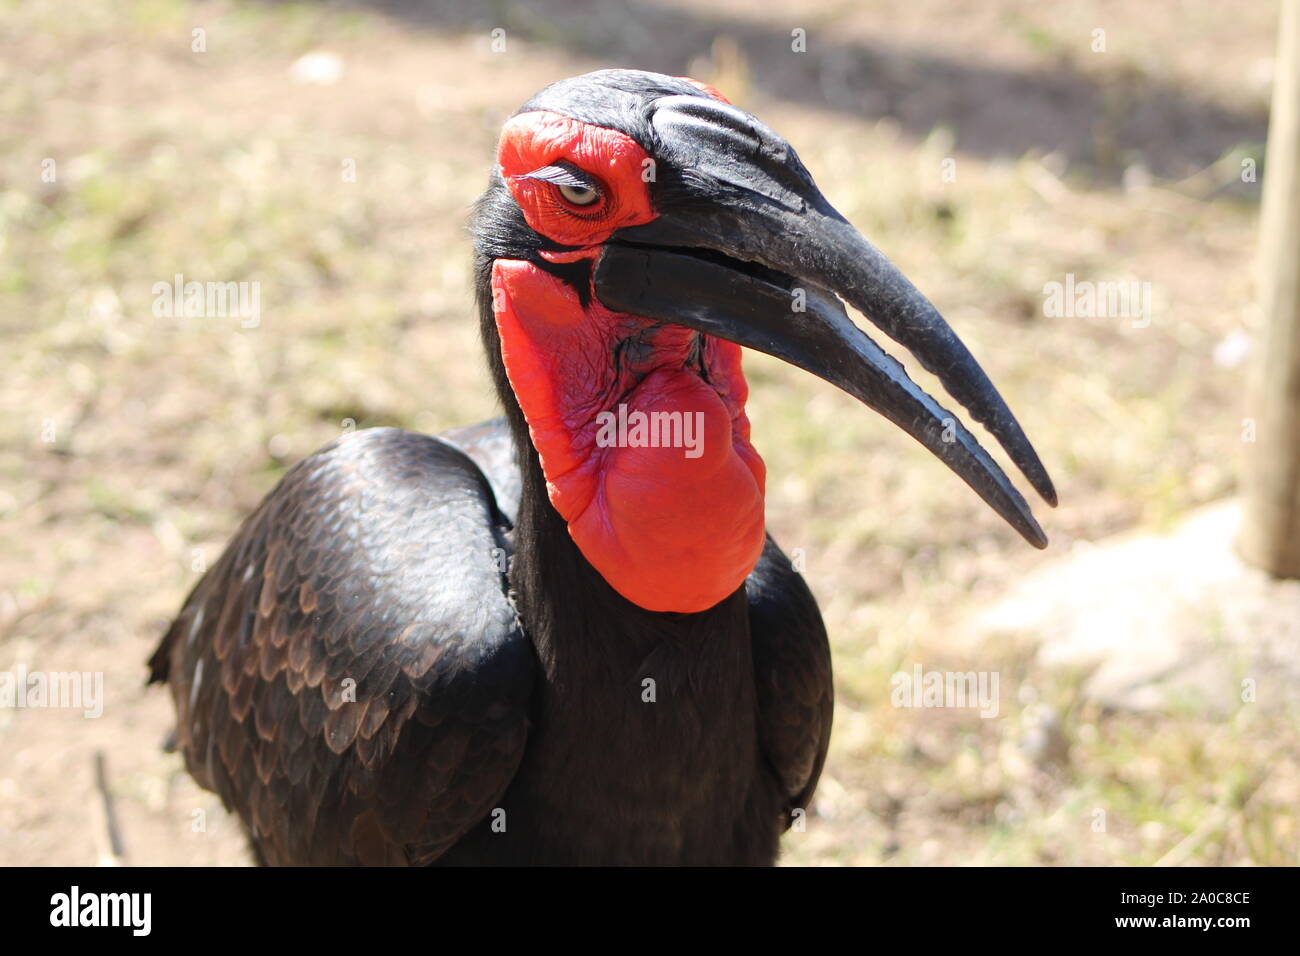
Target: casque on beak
[742,230]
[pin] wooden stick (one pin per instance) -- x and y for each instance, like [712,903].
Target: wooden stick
[1270,536]
[114,854]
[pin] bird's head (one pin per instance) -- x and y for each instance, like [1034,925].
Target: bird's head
[637,232]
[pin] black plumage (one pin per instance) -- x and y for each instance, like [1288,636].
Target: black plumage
[379,560]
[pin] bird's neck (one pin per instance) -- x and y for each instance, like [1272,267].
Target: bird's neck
[582,627]
[640,436]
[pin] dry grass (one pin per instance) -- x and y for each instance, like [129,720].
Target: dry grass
[219,166]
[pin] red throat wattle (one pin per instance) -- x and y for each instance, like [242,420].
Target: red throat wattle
[640,427]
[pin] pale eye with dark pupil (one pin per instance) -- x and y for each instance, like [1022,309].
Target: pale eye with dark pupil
[574,186]
[579,195]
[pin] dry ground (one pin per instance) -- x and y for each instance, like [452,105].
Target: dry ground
[132,445]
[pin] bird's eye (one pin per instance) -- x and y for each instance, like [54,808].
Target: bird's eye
[579,195]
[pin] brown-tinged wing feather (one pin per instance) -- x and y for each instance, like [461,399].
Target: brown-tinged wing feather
[351,677]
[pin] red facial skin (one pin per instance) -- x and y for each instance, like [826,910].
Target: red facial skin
[667,531]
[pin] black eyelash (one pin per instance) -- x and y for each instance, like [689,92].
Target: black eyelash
[565,174]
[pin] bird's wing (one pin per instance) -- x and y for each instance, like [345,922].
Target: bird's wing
[792,672]
[351,677]
[492,448]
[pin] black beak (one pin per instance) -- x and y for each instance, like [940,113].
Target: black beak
[747,249]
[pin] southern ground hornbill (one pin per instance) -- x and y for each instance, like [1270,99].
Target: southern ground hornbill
[564,637]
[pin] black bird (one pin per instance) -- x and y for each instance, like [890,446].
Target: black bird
[564,637]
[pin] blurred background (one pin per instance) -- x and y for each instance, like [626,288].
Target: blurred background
[330,153]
